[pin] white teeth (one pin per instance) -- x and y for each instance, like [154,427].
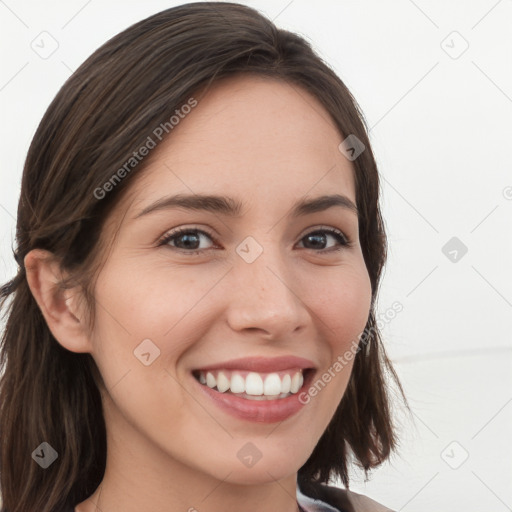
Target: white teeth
[254,384]
[210,380]
[272,385]
[286,384]
[297,382]
[237,383]
[222,382]
[257,386]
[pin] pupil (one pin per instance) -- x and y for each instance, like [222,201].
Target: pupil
[319,238]
[187,242]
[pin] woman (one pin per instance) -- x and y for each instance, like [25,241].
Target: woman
[200,244]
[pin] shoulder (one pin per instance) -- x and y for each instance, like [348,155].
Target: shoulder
[364,504]
[347,501]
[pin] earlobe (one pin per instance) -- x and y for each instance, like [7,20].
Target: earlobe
[59,306]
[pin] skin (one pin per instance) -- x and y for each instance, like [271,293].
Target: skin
[266,144]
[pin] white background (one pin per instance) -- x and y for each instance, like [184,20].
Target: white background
[440,128]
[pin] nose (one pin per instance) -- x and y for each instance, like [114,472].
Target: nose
[265,297]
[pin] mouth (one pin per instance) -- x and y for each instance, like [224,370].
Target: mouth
[257,397]
[256,386]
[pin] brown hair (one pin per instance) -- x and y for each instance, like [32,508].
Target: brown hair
[105,111]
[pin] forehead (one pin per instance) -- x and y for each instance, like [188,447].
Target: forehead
[258,138]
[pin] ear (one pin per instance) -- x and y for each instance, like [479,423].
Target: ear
[60,307]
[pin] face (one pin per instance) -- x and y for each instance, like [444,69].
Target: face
[266,282]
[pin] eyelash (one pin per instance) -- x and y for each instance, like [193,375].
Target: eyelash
[343,240]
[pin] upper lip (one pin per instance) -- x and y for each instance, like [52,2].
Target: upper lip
[262,364]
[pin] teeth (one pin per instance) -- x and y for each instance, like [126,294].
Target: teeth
[254,385]
[237,383]
[297,382]
[210,380]
[272,385]
[286,384]
[222,382]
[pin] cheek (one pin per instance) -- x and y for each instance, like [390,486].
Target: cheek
[152,301]
[342,304]
[138,332]
[168,307]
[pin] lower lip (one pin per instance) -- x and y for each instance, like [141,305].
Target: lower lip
[261,411]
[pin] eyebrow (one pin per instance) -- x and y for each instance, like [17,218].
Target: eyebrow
[229,206]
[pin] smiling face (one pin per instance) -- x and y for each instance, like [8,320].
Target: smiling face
[268,280]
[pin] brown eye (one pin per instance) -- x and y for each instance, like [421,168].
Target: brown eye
[186,240]
[317,240]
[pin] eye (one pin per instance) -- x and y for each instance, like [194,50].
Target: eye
[186,240]
[319,238]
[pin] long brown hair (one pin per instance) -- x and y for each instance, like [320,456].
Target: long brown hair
[104,112]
